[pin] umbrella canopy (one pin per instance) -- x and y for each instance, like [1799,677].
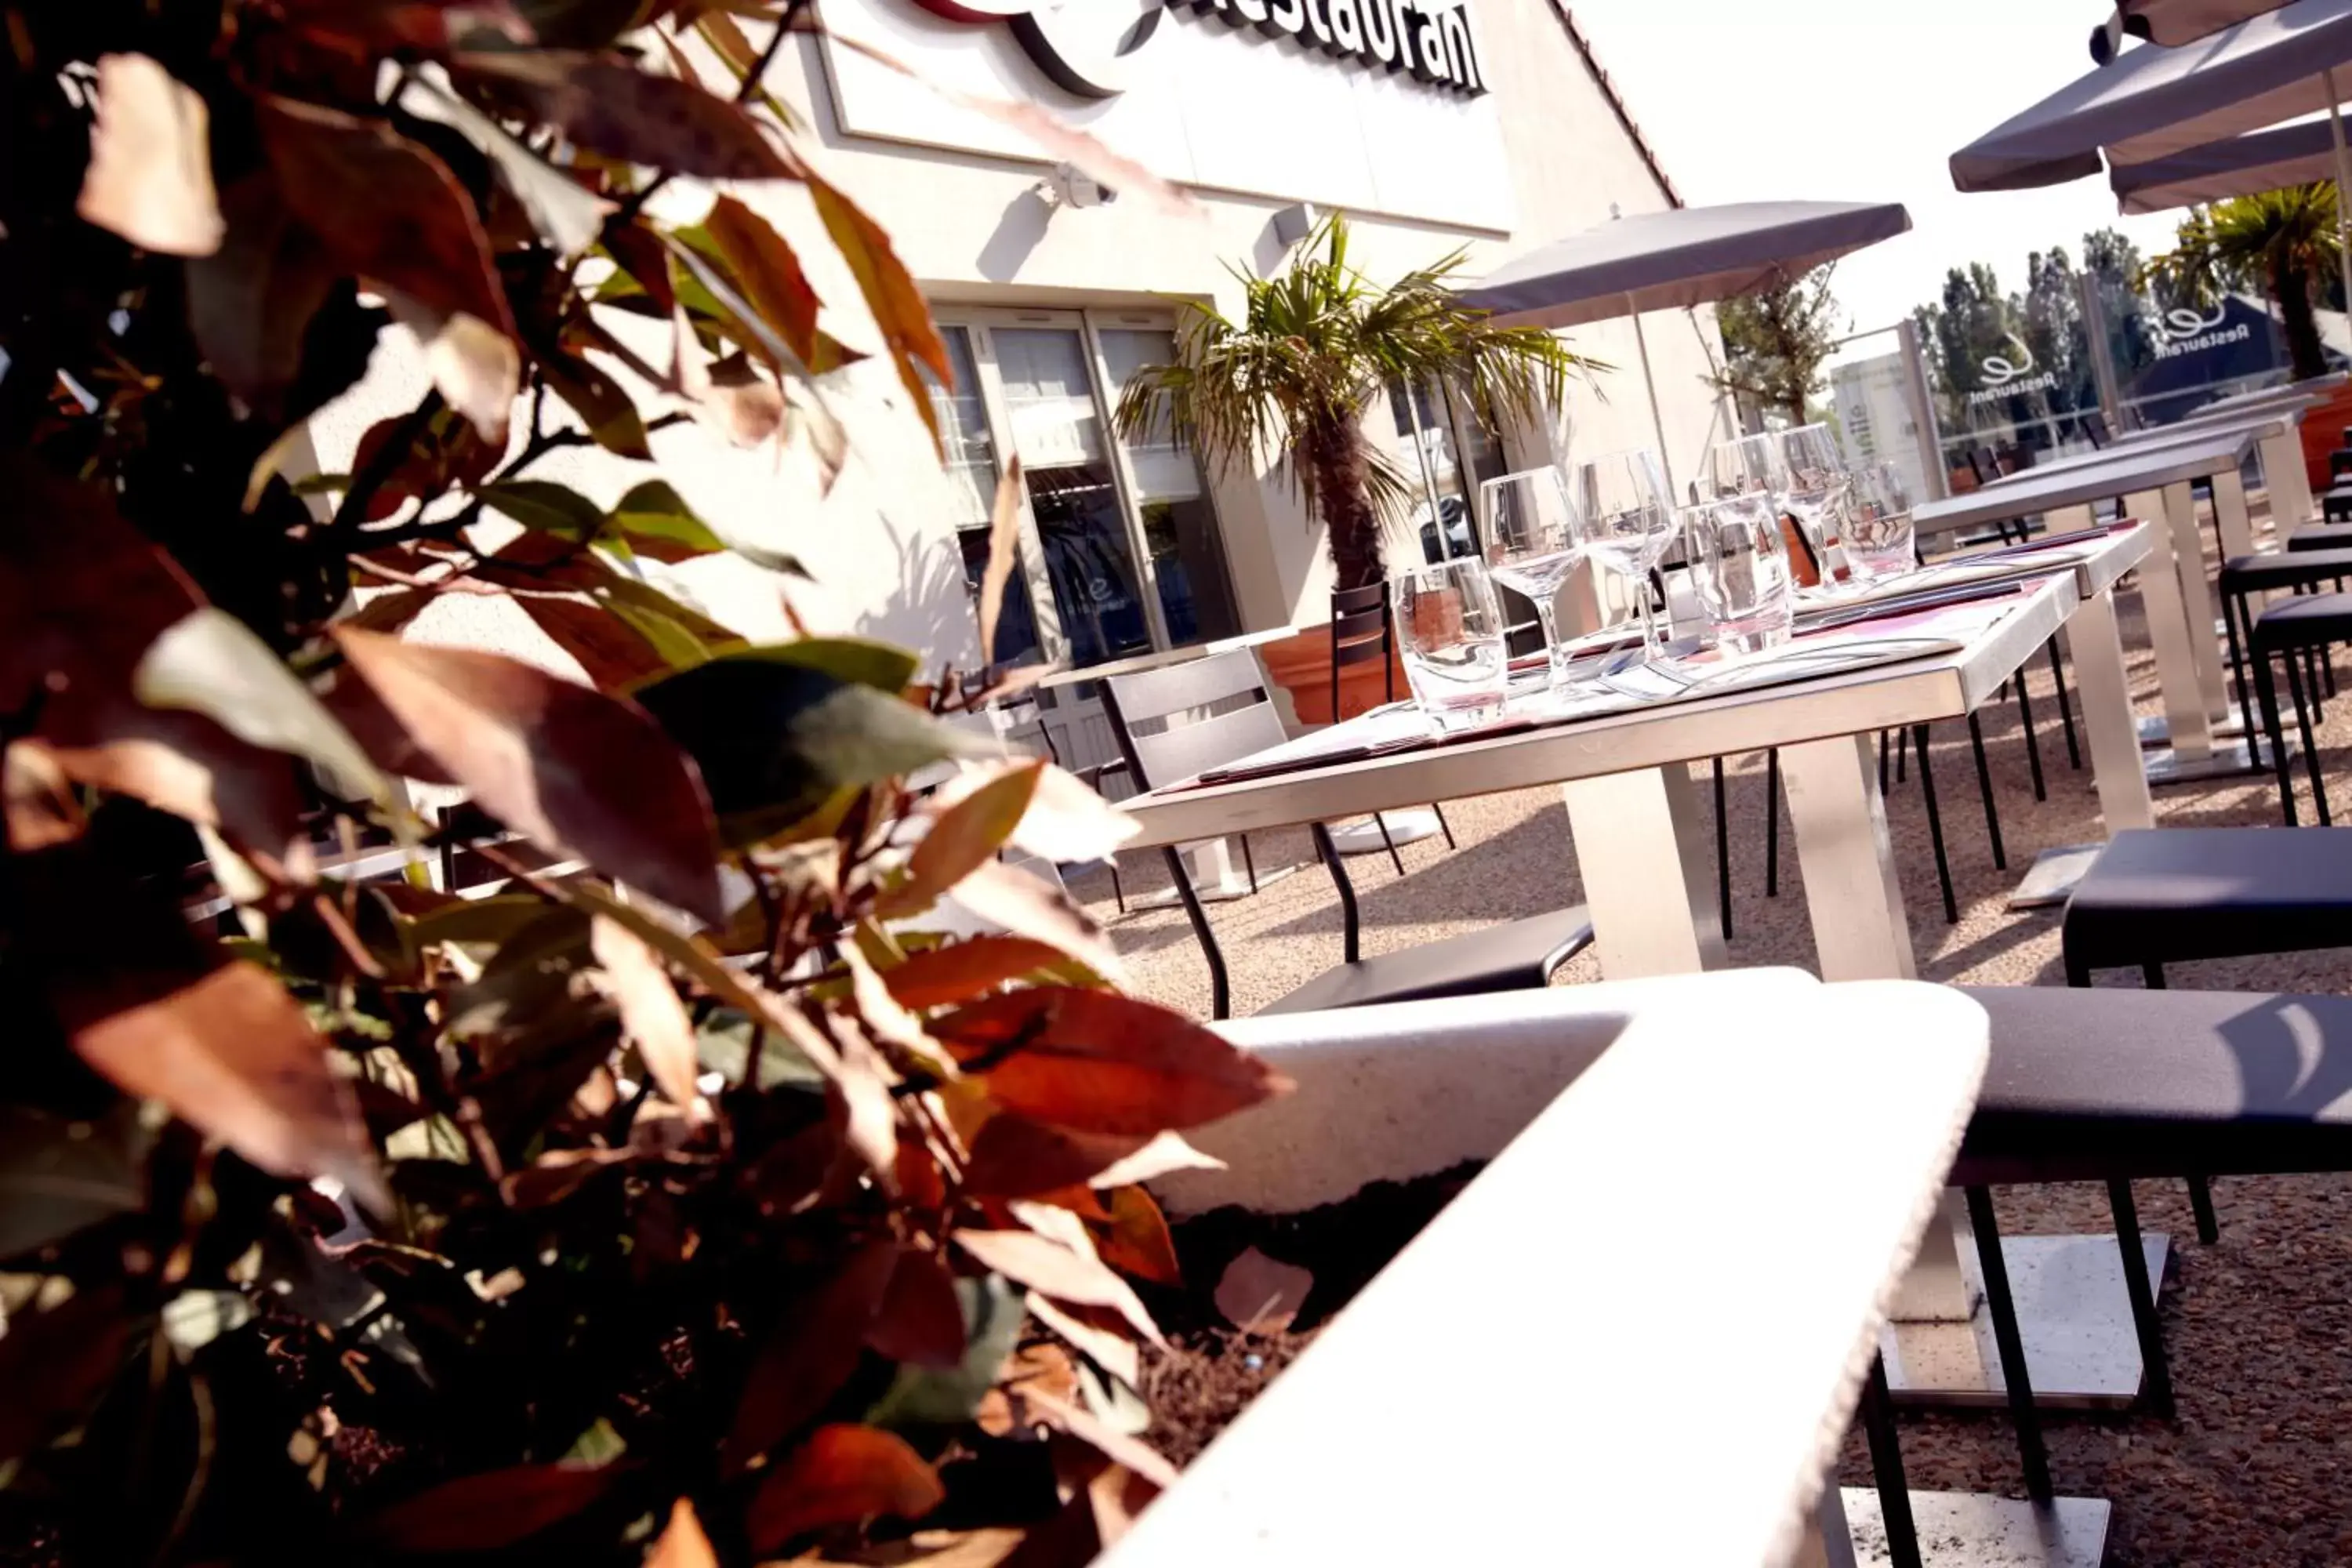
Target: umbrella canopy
[2175,21]
[1682,257]
[2154,101]
[2267,161]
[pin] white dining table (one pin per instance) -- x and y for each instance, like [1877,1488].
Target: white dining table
[1644,859]
[2151,480]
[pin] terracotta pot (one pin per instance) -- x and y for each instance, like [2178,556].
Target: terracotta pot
[1301,665]
[2323,432]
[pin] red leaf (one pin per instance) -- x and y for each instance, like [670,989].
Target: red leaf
[250,302]
[560,762]
[151,175]
[683,1545]
[386,208]
[769,271]
[962,970]
[842,1475]
[608,106]
[1046,1265]
[1027,905]
[1014,1157]
[1260,1295]
[448,452]
[1139,1242]
[1102,1063]
[609,651]
[651,1013]
[383,26]
[54,1364]
[808,1354]
[494,1509]
[920,1321]
[898,306]
[41,807]
[962,838]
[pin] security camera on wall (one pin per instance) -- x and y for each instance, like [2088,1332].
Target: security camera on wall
[1071,187]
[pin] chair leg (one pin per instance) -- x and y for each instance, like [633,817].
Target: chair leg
[1444,827]
[1350,924]
[1984,789]
[2266,690]
[1394,859]
[1116,891]
[1249,864]
[1773,823]
[2237,605]
[1722,854]
[2303,723]
[2141,1291]
[1886,1470]
[2032,1454]
[1934,826]
[1882,762]
[1901,750]
[2033,741]
[2200,1204]
[1220,992]
[2065,708]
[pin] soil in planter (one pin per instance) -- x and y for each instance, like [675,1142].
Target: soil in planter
[1212,1369]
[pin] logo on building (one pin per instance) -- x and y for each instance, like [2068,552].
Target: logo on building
[1092,48]
[2182,331]
[1999,376]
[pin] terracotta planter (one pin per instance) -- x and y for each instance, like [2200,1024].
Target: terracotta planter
[2323,432]
[1301,665]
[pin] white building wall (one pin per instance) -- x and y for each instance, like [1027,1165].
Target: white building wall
[973,230]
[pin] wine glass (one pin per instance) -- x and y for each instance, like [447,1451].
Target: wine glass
[1624,518]
[1532,545]
[1745,466]
[1817,493]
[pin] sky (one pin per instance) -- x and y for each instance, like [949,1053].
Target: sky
[1861,101]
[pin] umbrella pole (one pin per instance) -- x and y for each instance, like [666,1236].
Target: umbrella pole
[2335,129]
[1657,422]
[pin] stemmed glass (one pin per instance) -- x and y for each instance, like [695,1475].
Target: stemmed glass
[1624,518]
[1746,466]
[1532,545]
[1817,493]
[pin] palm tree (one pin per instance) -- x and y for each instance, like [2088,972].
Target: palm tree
[1314,345]
[2285,237]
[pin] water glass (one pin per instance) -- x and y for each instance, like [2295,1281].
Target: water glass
[1739,565]
[1533,542]
[1449,627]
[1625,519]
[1878,538]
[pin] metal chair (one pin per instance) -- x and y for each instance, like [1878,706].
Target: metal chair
[1178,722]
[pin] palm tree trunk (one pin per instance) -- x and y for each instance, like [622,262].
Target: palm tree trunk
[2291,288]
[1334,450]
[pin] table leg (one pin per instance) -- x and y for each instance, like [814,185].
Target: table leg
[1642,850]
[2170,629]
[2288,484]
[2104,693]
[2230,513]
[1852,892]
[2196,599]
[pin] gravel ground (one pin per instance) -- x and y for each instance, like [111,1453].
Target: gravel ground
[2257,1468]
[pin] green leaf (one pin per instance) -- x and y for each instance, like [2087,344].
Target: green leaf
[194,1319]
[934,1396]
[600,402]
[774,734]
[678,648]
[600,1445]
[546,506]
[211,663]
[657,520]
[723,1044]
[859,661]
[489,920]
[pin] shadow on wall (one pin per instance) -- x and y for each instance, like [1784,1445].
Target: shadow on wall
[1017,234]
[928,609]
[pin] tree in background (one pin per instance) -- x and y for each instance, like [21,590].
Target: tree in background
[689,1197]
[2284,239]
[1774,342]
[1316,344]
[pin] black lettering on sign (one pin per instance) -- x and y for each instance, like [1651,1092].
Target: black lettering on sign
[1093,49]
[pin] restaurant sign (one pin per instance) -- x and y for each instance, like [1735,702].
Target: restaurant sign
[1999,376]
[2184,331]
[1093,47]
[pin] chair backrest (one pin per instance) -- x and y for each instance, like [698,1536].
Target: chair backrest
[1362,631]
[1169,723]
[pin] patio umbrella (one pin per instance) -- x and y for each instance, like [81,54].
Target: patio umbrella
[1679,257]
[2154,101]
[2242,166]
[2171,21]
